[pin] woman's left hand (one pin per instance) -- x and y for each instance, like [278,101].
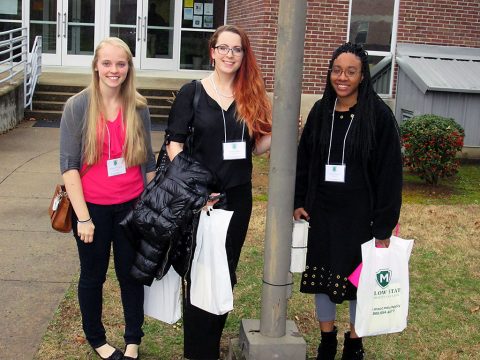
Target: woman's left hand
[210,203]
[262,145]
[382,243]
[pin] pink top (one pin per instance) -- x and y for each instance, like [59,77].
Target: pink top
[101,189]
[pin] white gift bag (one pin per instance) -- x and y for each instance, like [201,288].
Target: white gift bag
[383,288]
[211,287]
[299,246]
[163,298]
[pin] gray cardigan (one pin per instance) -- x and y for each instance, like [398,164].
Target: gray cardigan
[72,134]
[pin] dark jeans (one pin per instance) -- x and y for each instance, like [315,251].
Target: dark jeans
[94,259]
[203,330]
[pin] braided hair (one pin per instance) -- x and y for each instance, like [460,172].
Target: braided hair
[362,132]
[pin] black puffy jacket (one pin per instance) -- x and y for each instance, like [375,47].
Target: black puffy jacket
[160,226]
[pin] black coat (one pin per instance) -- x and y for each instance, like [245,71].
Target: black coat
[160,227]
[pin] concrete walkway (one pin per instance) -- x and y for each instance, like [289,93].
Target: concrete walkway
[37,264]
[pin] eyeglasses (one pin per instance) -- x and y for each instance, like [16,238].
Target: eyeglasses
[224,50]
[349,73]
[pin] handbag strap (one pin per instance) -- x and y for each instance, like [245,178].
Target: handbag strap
[85,171]
[196,97]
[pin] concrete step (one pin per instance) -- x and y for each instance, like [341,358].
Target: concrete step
[41,105]
[51,118]
[169,93]
[73,89]
[47,115]
[57,114]
[45,96]
[39,96]
[160,100]
[49,100]
[159,110]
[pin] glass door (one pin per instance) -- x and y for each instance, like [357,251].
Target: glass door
[45,21]
[126,25]
[148,27]
[159,35]
[67,28]
[78,34]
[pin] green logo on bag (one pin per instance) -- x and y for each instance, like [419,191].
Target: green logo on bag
[383,278]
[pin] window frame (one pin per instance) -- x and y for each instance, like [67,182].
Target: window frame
[393,43]
[183,29]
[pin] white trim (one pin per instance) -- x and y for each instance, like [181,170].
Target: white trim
[349,19]
[393,41]
[393,48]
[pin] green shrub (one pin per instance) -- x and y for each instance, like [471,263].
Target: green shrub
[431,143]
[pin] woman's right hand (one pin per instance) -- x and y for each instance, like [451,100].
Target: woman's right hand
[85,231]
[173,149]
[300,213]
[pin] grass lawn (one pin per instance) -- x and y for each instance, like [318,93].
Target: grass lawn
[444,319]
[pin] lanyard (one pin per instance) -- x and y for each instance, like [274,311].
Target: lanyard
[108,132]
[344,139]
[223,113]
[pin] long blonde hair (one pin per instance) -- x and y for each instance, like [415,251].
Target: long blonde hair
[135,150]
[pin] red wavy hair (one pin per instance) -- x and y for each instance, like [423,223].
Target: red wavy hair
[253,105]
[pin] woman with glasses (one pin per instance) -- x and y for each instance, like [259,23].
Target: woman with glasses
[231,120]
[348,185]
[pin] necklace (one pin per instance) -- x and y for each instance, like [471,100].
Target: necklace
[219,93]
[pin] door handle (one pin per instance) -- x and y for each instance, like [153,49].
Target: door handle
[58,23]
[145,28]
[64,24]
[139,30]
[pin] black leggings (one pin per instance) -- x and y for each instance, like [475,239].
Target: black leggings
[203,330]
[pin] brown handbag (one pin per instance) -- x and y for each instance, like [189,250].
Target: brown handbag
[60,210]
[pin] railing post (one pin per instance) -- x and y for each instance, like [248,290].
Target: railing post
[10,35]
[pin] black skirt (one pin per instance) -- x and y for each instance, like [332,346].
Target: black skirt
[340,222]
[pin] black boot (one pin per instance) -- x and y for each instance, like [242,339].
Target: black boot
[352,348]
[328,345]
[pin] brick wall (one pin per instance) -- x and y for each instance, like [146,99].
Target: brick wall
[327,22]
[435,22]
[326,29]
[259,19]
[440,22]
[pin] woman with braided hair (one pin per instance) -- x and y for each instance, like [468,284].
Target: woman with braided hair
[348,185]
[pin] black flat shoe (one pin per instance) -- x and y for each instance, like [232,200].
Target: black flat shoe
[116,355]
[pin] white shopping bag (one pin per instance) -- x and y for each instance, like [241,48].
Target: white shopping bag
[163,298]
[383,288]
[299,246]
[211,287]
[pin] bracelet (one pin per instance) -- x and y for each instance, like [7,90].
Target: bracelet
[84,221]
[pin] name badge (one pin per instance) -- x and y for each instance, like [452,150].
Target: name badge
[234,150]
[116,167]
[335,173]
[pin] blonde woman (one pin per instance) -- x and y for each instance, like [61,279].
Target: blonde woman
[106,159]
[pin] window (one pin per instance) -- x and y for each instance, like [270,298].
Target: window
[407,114]
[373,24]
[200,18]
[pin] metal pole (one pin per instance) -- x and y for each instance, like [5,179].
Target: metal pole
[286,110]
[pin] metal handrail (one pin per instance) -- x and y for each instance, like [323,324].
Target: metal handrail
[33,70]
[8,67]
[19,60]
